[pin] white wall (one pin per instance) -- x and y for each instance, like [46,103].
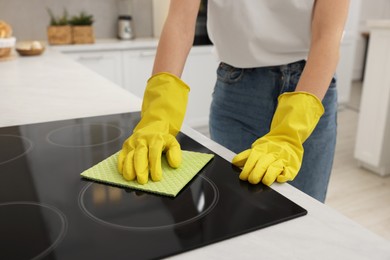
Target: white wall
[30,19]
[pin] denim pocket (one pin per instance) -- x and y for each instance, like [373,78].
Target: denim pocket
[229,74]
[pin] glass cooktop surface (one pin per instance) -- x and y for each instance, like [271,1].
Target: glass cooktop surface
[48,211]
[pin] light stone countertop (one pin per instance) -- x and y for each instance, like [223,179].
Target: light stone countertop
[109,44]
[53,87]
[113,44]
[378,24]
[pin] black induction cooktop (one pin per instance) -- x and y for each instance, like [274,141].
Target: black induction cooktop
[47,211]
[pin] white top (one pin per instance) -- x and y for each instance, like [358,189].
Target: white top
[257,33]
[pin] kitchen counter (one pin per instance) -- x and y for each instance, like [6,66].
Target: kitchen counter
[53,87]
[110,44]
[384,24]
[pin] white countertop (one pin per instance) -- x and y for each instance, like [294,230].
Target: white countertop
[53,87]
[110,44]
[379,24]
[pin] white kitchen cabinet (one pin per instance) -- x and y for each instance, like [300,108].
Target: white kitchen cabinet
[199,73]
[345,68]
[137,68]
[347,53]
[106,63]
[372,147]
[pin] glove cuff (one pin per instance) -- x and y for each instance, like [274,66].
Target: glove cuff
[165,100]
[314,101]
[163,77]
[298,114]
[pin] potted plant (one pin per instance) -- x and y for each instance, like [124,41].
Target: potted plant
[82,28]
[59,31]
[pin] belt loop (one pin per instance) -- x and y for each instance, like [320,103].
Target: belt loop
[283,77]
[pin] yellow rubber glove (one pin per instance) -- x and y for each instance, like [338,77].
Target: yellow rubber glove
[277,156]
[163,109]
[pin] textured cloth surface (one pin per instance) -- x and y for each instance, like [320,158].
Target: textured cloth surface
[173,179]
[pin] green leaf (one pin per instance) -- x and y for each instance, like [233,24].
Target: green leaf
[58,21]
[82,19]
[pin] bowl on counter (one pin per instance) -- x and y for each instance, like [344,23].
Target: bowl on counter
[30,48]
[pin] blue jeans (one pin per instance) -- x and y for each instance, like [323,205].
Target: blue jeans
[244,102]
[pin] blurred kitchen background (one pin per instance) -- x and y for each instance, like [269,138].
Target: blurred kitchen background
[29,19]
[361,193]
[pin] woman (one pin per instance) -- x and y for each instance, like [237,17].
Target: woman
[275,96]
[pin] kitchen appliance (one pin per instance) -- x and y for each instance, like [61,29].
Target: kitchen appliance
[201,35]
[48,211]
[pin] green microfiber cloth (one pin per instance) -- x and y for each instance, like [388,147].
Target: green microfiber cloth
[173,179]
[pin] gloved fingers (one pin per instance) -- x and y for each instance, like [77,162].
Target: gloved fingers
[141,164]
[262,164]
[121,159]
[273,172]
[240,159]
[287,175]
[174,156]
[249,164]
[155,153]
[173,151]
[128,167]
